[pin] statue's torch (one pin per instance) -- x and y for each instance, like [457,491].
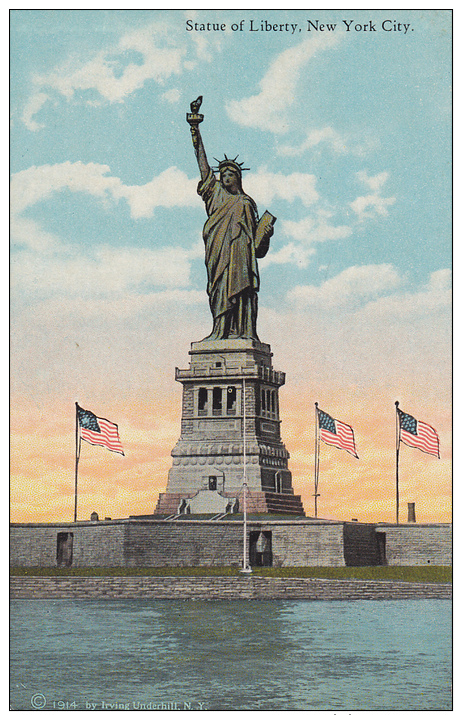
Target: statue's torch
[194,118]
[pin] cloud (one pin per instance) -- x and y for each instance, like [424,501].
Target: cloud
[353,286]
[109,73]
[105,271]
[269,110]
[172,96]
[315,137]
[291,253]
[315,230]
[265,186]
[440,280]
[434,296]
[204,47]
[33,106]
[372,204]
[48,267]
[354,333]
[340,144]
[26,232]
[36,183]
[169,189]
[304,233]
[374,183]
[153,53]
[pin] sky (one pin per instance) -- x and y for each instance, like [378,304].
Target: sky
[344,120]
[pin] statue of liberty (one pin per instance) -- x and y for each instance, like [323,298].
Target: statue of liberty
[234,238]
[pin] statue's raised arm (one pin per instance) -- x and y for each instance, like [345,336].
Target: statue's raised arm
[194,119]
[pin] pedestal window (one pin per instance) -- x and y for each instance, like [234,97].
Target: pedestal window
[202,402]
[268,401]
[217,404]
[231,401]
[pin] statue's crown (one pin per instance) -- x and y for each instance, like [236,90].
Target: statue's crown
[231,164]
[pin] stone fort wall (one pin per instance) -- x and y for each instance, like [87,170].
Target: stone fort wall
[154,543]
[94,543]
[220,544]
[418,544]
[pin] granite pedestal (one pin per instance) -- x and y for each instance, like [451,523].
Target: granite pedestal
[209,455]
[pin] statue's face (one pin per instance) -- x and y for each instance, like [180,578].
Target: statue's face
[230,181]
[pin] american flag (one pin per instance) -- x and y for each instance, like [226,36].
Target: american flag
[418,434]
[99,431]
[336,433]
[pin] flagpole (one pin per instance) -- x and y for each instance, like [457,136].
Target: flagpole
[77,456]
[397,461]
[316,459]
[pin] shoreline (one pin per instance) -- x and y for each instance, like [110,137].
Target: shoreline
[220,588]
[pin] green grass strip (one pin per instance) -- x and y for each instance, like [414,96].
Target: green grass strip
[419,574]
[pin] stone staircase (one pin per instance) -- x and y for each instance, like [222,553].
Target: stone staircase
[272,503]
[257,503]
[169,503]
[284,504]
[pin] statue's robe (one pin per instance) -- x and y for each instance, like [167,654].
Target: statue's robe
[232,272]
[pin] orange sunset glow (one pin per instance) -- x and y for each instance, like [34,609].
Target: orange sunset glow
[42,488]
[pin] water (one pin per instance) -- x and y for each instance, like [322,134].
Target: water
[237,655]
